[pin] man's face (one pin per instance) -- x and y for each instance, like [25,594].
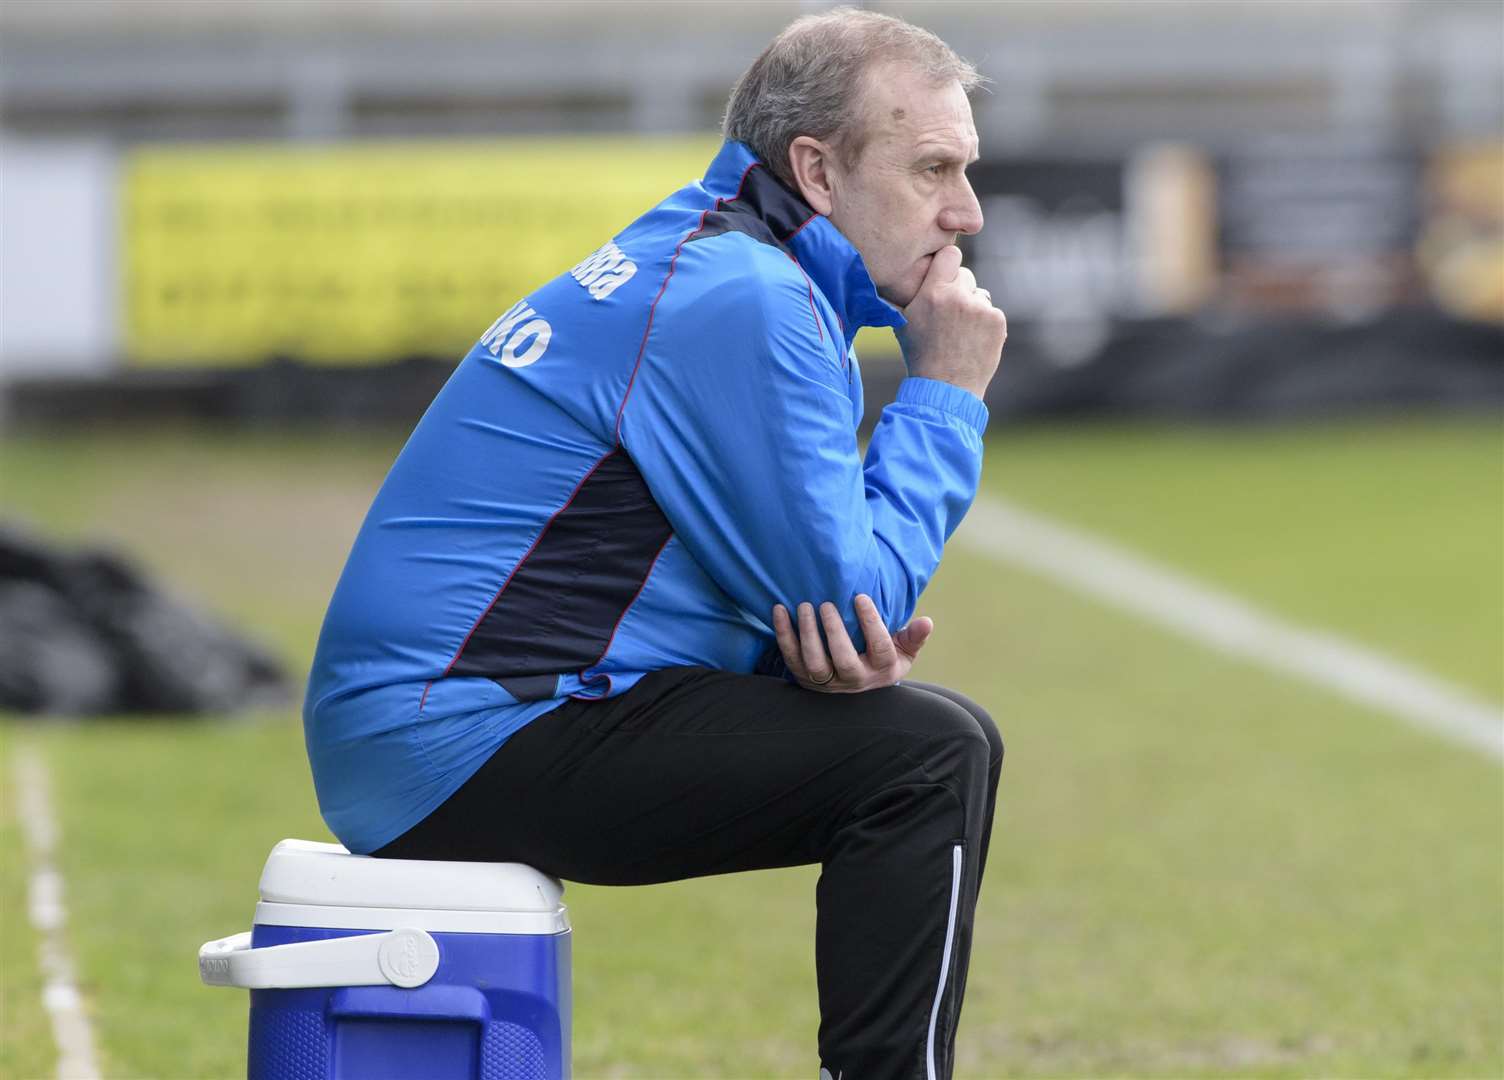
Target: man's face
[907,196]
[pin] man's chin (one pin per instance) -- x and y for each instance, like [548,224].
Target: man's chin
[899,296]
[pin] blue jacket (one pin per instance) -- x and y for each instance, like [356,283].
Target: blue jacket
[626,473]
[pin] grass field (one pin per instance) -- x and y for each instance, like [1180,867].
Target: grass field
[1199,868]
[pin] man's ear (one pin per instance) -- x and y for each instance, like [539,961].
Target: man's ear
[811,160]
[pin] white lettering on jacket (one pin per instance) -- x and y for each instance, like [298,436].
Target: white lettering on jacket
[606,270]
[519,337]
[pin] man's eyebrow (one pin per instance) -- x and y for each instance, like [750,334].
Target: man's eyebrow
[947,152]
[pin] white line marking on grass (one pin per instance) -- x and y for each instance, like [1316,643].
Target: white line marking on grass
[60,997]
[1225,623]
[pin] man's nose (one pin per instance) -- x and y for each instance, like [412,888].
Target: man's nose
[963,214]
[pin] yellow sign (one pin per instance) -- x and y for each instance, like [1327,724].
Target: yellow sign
[1461,247]
[370,252]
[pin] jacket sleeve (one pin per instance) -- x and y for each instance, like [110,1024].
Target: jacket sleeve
[741,421]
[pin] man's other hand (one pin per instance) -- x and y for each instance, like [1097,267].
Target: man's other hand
[834,666]
[954,333]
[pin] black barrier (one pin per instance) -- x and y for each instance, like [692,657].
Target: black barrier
[1290,369]
[1196,368]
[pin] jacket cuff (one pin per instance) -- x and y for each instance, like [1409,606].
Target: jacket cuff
[947,397]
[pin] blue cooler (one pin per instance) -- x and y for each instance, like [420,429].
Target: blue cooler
[380,969]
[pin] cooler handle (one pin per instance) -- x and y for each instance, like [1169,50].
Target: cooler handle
[405,957]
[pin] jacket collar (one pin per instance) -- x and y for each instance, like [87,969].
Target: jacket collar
[739,179]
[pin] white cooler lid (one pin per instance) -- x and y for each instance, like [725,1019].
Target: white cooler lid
[311,884]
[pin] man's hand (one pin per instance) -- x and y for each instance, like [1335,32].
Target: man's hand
[842,670]
[954,333]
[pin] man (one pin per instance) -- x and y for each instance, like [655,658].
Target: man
[581,627]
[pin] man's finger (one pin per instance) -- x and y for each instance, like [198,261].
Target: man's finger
[912,637]
[842,651]
[817,665]
[788,643]
[880,651]
[944,266]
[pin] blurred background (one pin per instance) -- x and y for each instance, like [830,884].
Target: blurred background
[1252,255]
[1221,208]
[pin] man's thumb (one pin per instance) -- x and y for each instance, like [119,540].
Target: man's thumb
[912,637]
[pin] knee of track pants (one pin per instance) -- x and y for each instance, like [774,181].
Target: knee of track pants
[990,732]
[988,726]
[963,741]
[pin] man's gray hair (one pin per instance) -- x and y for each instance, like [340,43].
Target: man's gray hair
[811,81]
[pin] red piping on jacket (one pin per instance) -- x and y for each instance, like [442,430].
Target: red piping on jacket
[525,555]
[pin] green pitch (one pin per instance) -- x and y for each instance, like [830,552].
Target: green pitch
[1199,868]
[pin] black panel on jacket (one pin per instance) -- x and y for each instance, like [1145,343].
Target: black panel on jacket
[557,613]
[765,209]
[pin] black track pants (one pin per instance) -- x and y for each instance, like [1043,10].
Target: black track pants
[696,772]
